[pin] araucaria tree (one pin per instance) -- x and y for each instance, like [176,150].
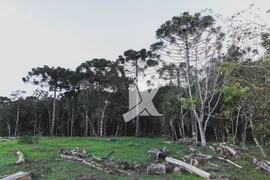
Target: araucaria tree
[137,62]
[54,79]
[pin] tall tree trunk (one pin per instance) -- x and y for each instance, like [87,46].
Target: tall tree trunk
[180,129]
[237,121]
[72,118]
[137,132]
[102,119]
[174,135]
[244,134]
[86,122]
[17,122]
[9,128]
[117,130]
[35,123]
[202,134]
[254,136]
[53,112]
[125,129]
[216,135]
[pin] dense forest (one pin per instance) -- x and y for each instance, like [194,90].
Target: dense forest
[216,86]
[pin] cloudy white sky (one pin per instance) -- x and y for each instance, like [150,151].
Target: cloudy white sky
[68,32]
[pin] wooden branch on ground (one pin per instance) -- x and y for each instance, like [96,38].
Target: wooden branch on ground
[18,176]
[110,167]
[229,161]
[189,167]
[20,160]
[104,157]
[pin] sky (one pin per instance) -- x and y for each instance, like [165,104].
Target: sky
[66,33]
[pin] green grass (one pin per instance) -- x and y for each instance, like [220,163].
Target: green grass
[45,163]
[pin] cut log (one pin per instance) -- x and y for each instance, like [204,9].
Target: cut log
[19,176]
[177,170]
[229,161]
[190,168]
[21,160]
[231,150]
[264,165]
[155,169]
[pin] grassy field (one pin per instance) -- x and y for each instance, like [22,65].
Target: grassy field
[45,163]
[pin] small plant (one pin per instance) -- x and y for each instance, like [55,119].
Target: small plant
[28,139]
[232,139]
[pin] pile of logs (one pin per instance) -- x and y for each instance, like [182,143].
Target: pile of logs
[74,152]
[224,149]
[99,163]
[189,163]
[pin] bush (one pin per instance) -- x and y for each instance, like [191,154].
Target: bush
[28,139]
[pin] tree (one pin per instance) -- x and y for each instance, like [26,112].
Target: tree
[137,62]
[54,78]
[195,42]
[17,98]
[5,106]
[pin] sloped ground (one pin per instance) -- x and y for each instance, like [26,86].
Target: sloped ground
[44,161]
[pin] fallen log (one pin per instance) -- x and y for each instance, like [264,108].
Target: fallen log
[190,168]
[97,166]
[229,161]
[261,164]
[72,158]
[19,176]
[20,160]
[156,169]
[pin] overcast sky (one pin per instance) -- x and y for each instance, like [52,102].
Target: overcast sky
[68,32]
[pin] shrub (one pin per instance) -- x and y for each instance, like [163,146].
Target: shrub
[28,139]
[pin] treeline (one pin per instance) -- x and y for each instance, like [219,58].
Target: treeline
[217,87]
